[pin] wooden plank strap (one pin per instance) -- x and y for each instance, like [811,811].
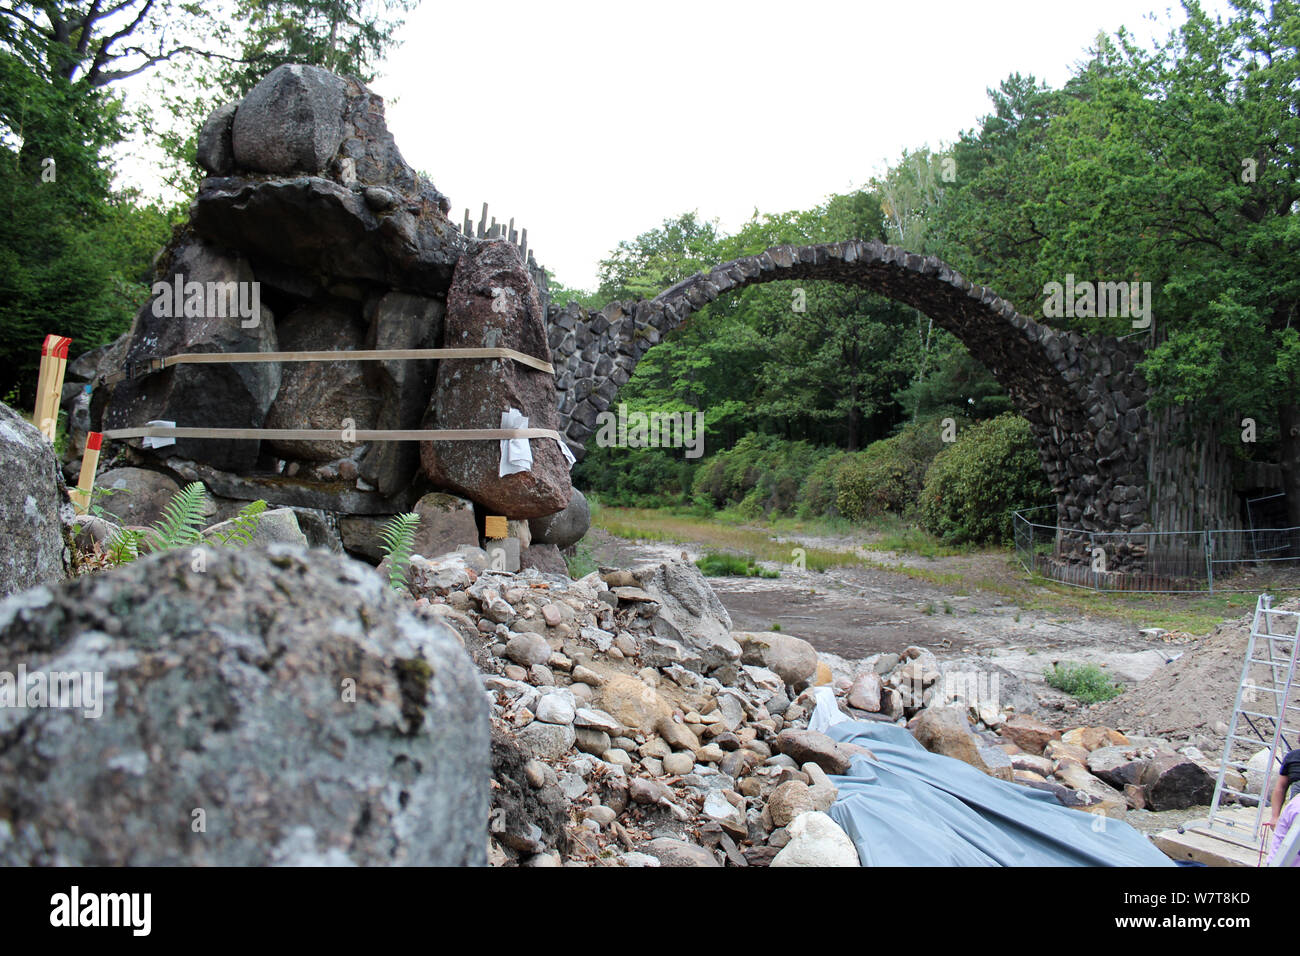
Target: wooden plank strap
[366,355]
[334,434]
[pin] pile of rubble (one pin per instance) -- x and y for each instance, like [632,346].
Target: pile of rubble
[632,726]
[630,723]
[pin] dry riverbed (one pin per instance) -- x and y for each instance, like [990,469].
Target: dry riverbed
[960,606]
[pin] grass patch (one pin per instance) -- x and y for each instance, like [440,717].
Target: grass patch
[647,524]
[732,565]
[1186,613]
[582,562]
[892,533]
[1085,682]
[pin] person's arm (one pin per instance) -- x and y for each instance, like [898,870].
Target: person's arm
[1280,783]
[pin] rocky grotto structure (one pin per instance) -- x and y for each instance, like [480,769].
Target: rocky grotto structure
[311,233]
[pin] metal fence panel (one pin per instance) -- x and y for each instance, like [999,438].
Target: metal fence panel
[1153,561]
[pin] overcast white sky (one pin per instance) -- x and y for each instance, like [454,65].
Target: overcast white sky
[592,122]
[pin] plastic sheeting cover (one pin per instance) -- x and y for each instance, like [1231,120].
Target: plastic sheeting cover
[910,807]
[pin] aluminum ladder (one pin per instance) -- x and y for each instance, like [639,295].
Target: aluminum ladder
[1264,715]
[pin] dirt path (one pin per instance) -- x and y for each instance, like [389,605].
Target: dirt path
[857,611]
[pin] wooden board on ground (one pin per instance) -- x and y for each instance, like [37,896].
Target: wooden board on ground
[1212,847]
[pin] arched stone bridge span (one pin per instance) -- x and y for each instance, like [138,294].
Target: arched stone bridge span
[1081,395]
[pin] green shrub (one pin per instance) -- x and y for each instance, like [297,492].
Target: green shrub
[732,565]
[974,485]
[762,474]
[635,477]
[1086,682]
[818,495]
[888,475]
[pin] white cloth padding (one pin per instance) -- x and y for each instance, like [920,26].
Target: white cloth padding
[517,453]
[152,442]
[827,712]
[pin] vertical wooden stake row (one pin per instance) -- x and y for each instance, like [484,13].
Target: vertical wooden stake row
[49,384]
[56,393]
[43,382]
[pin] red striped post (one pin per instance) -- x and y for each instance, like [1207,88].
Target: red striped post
[43,382]
[49,384]
[86,482]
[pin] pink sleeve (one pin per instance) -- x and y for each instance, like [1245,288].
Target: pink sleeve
[1284,823]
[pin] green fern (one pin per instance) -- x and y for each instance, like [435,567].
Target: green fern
[98,510]
[398,538]
[180,525]
[124,546]
[243,527]
[182,520]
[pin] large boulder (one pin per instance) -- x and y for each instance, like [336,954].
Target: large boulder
[564,528]
[1100,796]
[493,303]
[290,122]
[274,526]
[323,395]
[136,496]
[362,212]
[214,149]
[31,497]
[793,659]
[201,396]
[361,535]
[812,746]
[945,730]
[1094,738]
[865,692]
[691,628]
[543,557]
[446,523]
[632,703]
[1172,781]
[670,852]
[816,840]
[245,716]
[1028,733]
[1117,766]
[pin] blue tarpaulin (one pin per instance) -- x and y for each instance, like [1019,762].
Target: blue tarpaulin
[909,807]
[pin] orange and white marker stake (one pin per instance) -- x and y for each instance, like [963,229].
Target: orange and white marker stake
[49,384]
[43,381]
[86,483]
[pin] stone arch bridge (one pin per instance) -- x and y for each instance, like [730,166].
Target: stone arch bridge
[1083,396]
